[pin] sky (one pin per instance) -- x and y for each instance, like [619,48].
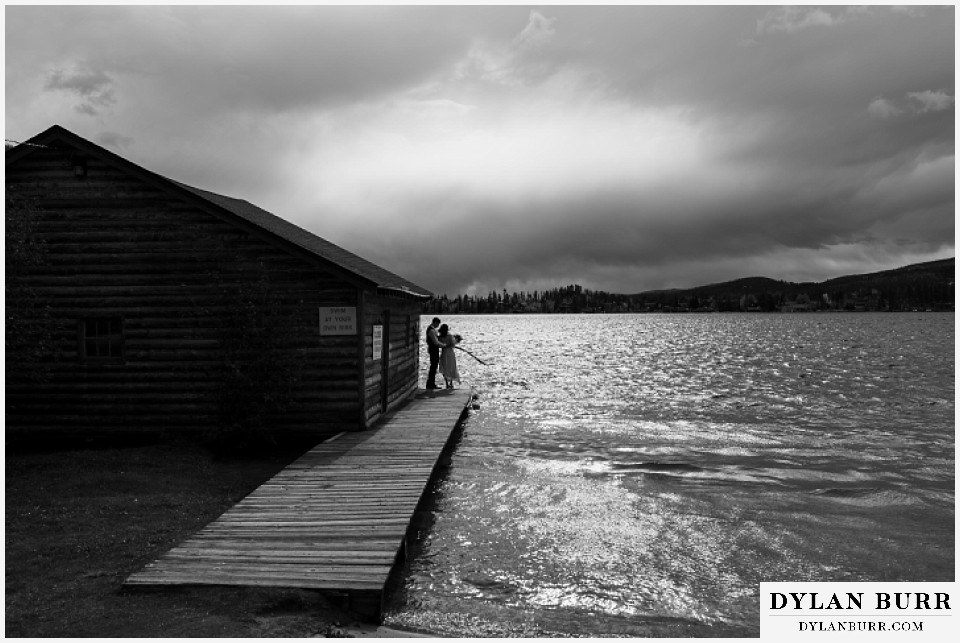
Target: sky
[479,148]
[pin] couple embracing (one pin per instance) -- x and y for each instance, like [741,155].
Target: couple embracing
[440,345]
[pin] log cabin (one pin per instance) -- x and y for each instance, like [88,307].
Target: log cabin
[167,308]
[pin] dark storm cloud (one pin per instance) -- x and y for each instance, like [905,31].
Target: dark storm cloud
[618,147]
[251,57]
[624,233]
[213,82]
[94,88]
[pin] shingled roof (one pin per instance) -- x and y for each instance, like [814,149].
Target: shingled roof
[374,275]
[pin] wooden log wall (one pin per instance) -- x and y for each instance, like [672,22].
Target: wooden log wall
[402,354]
[117,247]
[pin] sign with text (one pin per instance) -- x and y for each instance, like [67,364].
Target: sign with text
[377,342]
[338,320]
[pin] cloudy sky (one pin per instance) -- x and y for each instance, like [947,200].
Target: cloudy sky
[525,147]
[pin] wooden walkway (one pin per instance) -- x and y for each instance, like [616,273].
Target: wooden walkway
[336,519]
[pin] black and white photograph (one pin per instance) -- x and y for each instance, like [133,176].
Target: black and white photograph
[479,321]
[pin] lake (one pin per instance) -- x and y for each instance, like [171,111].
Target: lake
[640,475]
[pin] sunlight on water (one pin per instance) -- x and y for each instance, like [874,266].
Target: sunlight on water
[640,475]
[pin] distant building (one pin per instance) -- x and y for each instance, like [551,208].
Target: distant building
[164,296]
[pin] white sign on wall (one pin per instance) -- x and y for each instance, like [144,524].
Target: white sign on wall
[338,320]
[377,341]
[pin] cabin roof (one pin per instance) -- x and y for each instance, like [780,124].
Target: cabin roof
[380,278]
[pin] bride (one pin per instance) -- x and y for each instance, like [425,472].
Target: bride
[448,357]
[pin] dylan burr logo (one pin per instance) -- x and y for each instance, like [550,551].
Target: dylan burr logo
[800,610]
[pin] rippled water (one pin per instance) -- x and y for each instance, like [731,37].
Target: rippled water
[642,474]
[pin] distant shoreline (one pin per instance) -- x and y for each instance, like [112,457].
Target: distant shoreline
[923,287]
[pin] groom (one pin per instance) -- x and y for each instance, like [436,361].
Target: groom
[433,349]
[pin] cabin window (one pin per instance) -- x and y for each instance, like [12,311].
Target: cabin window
[101,339]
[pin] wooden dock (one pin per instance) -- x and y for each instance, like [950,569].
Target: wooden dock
[335,520]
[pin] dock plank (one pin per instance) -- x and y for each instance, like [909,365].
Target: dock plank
[335,519]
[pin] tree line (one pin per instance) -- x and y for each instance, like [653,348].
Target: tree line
[927,286]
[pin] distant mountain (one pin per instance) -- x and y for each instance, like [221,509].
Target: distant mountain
[924,286]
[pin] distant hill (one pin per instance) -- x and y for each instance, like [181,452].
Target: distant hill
[750,284]
[924,286]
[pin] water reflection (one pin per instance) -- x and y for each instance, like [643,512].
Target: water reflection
[640,475]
